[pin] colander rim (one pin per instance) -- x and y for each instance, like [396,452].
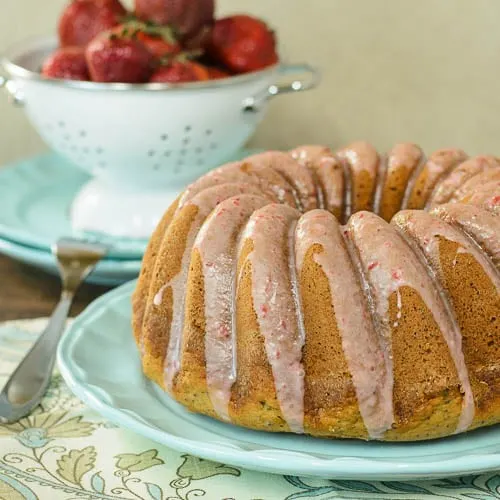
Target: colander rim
[19,72]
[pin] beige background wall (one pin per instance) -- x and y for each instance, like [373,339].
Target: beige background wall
[394,70]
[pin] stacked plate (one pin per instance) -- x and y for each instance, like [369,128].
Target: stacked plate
[35,200]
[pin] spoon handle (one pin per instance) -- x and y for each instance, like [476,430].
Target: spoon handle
[27,385]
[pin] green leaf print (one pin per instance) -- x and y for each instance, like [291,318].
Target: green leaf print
[197,468]
[74,465]
[135,462]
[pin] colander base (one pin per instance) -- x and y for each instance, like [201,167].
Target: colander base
[123,213]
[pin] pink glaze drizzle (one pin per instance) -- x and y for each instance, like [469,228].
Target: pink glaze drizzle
[382,172]
[391,264]
[441,161]
[206,201]
[296,174]
[333,182]
[217,243]
[276,307]
[438,164]
[404,155]
[360,343]
[269,182]
[361,157]
[486,196]
[482,226]
[329,173]
[476,182]
[425,229]
[446,187]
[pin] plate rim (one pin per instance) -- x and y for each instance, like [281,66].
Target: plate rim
[290,462]
[53,160]
[110,272]
[108,265]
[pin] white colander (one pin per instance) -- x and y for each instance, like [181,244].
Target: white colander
[141,143]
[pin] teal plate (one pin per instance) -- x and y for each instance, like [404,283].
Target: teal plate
[100,363]
[35,200]
[107,272]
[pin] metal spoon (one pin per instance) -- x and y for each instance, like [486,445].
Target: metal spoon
[27,385]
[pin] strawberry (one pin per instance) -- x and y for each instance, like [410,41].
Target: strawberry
[180,71]
[112,58]
[216,73]
[243,43]
[187,17]
[67,63]
[160,46]
[82,20]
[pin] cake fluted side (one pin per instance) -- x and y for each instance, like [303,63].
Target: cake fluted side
[279,318]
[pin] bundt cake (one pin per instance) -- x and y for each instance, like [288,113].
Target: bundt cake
[276,295]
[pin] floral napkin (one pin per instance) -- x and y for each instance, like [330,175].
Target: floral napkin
[63,450]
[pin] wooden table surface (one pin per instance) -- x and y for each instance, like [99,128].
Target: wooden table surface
[27,292]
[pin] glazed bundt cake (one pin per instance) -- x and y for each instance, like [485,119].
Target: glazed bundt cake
[275,294]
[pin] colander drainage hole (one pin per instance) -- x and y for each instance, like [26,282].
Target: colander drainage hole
[167,153]
[102,164]
[151,153]
[208,131]
[188,128]
[86,150]
[156,166]
[213,145]
[83,133]
[198,150]
[183,152]
[186,140]
[61,124]
[99,150]
[164,137]
[199,163]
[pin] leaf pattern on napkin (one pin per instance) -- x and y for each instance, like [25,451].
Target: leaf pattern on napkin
[64,451]
[76,464]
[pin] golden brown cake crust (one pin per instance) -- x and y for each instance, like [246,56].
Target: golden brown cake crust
[329,398]
[253,402]
[429,377]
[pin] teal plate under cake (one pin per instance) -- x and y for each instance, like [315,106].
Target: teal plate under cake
[99,361]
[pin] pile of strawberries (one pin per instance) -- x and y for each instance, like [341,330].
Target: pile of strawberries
[166,41]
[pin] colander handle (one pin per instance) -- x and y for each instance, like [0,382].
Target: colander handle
[15,96]
[307,78]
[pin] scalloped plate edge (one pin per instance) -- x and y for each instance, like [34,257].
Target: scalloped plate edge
[272,461]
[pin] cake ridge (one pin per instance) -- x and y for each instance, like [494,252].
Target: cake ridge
[453,214]
[272,302]
[493,270]
[439,162]
[402,161]
[218,260]
[412,181]
[461,173]
[467,414]
[316,178]
[374,400]
[347,202]
[380,183]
